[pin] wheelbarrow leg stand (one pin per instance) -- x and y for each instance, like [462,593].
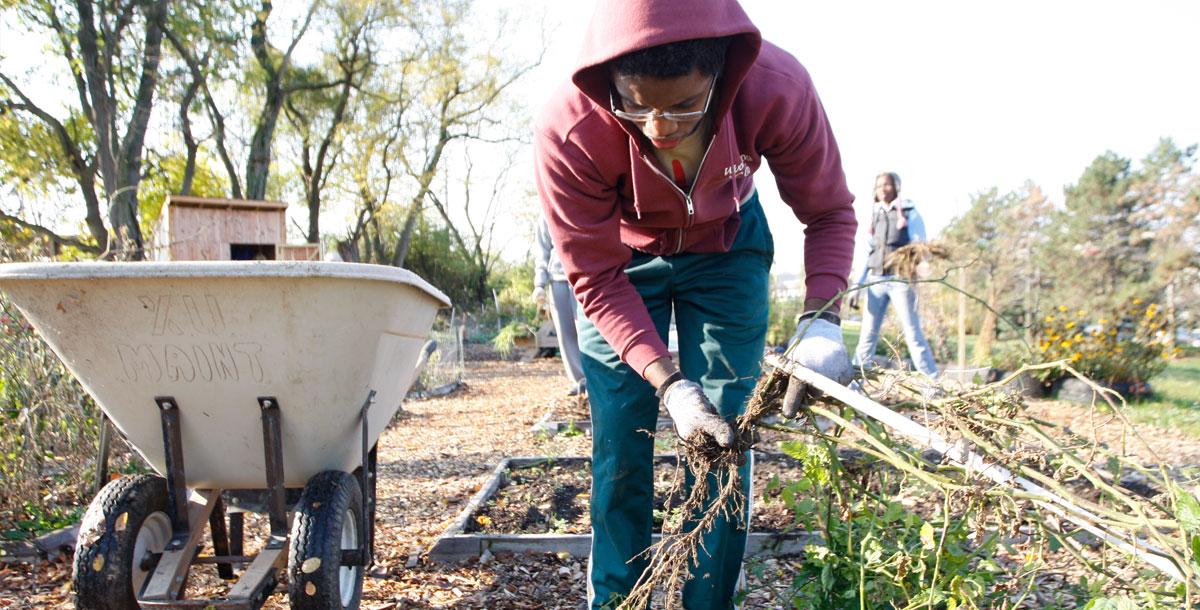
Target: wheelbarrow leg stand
[170,574]
[237,532]
[103,445]
[273,454]
[366,480]
[165,586]
[262,576]
[220,539]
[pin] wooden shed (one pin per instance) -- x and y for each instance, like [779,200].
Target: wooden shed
[212,229]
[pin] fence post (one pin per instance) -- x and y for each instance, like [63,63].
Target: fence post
[962,321]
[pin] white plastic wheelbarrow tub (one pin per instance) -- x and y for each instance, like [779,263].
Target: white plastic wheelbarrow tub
[216,336]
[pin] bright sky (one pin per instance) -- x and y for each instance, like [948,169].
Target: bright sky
[958,97]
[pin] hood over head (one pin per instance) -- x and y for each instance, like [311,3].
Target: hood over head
[618,27]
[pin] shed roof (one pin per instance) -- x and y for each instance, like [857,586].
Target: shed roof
[192,201]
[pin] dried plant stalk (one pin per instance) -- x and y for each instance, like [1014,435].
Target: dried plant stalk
[986,421]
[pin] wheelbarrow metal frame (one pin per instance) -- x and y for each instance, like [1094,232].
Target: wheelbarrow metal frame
[164,588]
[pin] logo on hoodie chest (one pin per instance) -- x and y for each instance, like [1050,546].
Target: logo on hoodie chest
[738,170]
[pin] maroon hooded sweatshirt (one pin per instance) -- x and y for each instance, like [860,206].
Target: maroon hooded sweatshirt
[603,192]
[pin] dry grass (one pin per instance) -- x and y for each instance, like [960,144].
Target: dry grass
[905,260]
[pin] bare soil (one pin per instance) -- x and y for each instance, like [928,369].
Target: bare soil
[578,408]
[436,455]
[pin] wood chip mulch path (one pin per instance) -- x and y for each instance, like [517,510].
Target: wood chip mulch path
[432,459]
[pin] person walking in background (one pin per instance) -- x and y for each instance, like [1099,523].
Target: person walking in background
[894,223]
[558,300]
[645,165]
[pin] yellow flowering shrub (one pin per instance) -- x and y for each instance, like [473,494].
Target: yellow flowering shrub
[1123,348]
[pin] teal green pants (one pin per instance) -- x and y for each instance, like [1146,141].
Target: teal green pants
[720,304]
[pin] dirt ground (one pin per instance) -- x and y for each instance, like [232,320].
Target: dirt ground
[436,455]
[552,498]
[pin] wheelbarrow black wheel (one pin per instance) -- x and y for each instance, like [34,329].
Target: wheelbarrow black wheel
[328,519]
[125,527]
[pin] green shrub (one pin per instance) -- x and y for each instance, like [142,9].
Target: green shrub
[506,339]
[1009,357]
[32,520]
[781,321]
[513,286]
[875,552]
[891,340]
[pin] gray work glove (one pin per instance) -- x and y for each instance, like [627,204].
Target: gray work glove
[695,417]
[820,350]
[539,296]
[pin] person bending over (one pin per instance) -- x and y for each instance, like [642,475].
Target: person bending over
[645,164]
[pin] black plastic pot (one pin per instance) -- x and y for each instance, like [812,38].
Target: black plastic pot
[1079,392]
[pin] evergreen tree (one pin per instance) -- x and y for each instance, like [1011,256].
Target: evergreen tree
[1101,245]
[1169,193]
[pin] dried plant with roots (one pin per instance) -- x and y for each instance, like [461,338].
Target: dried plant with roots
[903,261]
[1060,484]
[714,471]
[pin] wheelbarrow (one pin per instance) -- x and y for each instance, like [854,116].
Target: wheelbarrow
[257,386]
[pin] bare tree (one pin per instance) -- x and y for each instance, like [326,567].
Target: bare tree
[318,116]
[278,84]
[474,233]
[112,56]
[443,90]
[206,39]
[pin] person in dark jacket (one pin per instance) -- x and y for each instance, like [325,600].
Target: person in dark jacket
[895,223]
[644,164]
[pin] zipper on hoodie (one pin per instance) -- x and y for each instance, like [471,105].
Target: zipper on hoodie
[687,196]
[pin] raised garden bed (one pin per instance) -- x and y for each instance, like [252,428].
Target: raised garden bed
[541,504]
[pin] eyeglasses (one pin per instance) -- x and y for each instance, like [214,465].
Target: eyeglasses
[642,117]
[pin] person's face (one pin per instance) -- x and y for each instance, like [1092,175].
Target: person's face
[671,96]
[885,190]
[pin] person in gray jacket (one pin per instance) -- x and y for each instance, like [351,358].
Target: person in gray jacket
[548,273]
[894,223]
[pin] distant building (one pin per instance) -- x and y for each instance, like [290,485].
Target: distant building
[786,286]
